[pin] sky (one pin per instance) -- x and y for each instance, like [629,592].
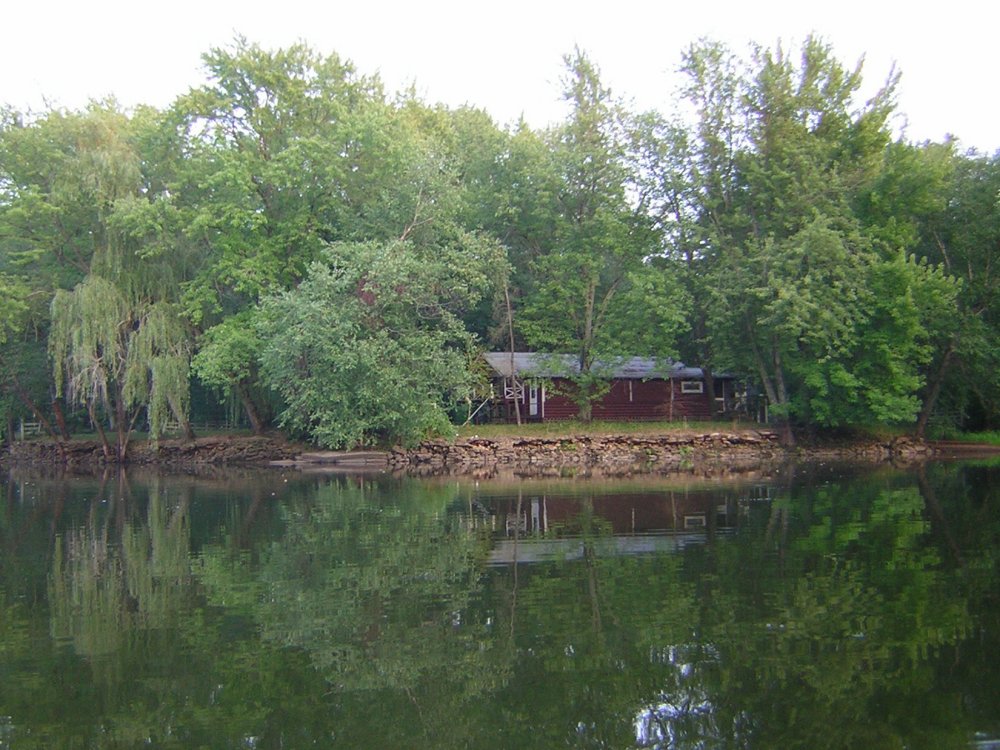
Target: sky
[506,57]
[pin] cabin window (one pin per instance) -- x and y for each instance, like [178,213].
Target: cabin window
[696,521]
[692,386]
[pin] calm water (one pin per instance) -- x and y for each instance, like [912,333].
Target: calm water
[825,608]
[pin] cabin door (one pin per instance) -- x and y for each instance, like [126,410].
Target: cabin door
[533,399]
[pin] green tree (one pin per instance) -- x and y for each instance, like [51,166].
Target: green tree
[778,209]
[370,348]
[274,158]
[693,183]
[119,356]
[962,235]
[228,358]
[47,237]
[290,151]
[118,343]
[601,238]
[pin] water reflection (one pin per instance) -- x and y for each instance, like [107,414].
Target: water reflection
[556,522]
[829,608]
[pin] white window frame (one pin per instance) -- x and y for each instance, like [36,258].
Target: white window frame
[692,386]
[695,521]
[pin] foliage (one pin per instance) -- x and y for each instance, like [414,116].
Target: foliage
[792,217]
[591,282]
[113,354]
[768,226]
[369,347]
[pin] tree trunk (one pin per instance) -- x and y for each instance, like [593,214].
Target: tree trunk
[713,407]
[787,436]
[586,353]
[256,423]
[121,429]
[510,332]
[705,358]
[775,396]
[105,445]
[60,418]
[182,419]
[933,392]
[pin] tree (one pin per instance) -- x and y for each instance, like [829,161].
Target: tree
[369,348]
[117,340]
[47,238]
[291,151]
[693,183]
[961,231]
[117,355]
[228,358]
[771,208]
[601,236]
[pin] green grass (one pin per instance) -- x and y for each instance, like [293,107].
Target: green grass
[987,437]
[576,428]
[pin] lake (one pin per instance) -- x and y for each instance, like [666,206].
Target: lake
[825,606]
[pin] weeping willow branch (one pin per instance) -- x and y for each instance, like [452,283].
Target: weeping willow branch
[116,355]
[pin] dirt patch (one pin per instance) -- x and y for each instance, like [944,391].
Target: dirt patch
[224,450]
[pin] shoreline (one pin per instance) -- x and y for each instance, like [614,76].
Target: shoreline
[569,455]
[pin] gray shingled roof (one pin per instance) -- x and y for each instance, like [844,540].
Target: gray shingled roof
[528,364]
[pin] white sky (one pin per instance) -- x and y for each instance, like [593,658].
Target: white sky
[504,56]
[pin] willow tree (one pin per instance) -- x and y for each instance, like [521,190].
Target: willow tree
[116,357]
[55,180]
[118,343]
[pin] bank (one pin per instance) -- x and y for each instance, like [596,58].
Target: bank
[568,454]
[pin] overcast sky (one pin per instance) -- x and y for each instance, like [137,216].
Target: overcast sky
[504,56]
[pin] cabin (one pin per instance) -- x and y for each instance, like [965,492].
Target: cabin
[641,388]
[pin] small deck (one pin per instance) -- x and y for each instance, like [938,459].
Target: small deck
[338,461]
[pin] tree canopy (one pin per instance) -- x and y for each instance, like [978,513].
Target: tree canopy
[771,225]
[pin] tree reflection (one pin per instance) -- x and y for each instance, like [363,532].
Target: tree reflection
[104,593]
[377,585]
[356,613]
[135,657]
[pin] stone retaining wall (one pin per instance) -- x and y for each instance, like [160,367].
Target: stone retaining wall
[628,454]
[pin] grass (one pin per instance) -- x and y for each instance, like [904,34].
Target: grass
[987,437]
[595,428]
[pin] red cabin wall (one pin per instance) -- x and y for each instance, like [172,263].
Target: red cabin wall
[647,400]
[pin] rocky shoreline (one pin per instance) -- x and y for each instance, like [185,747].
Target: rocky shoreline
[570,455]
[613,455]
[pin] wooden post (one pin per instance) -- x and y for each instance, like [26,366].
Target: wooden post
[510,332]
[670,382]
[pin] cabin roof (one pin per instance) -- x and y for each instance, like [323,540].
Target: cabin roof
[542,365]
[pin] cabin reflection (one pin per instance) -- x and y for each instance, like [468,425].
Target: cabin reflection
[551,526]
